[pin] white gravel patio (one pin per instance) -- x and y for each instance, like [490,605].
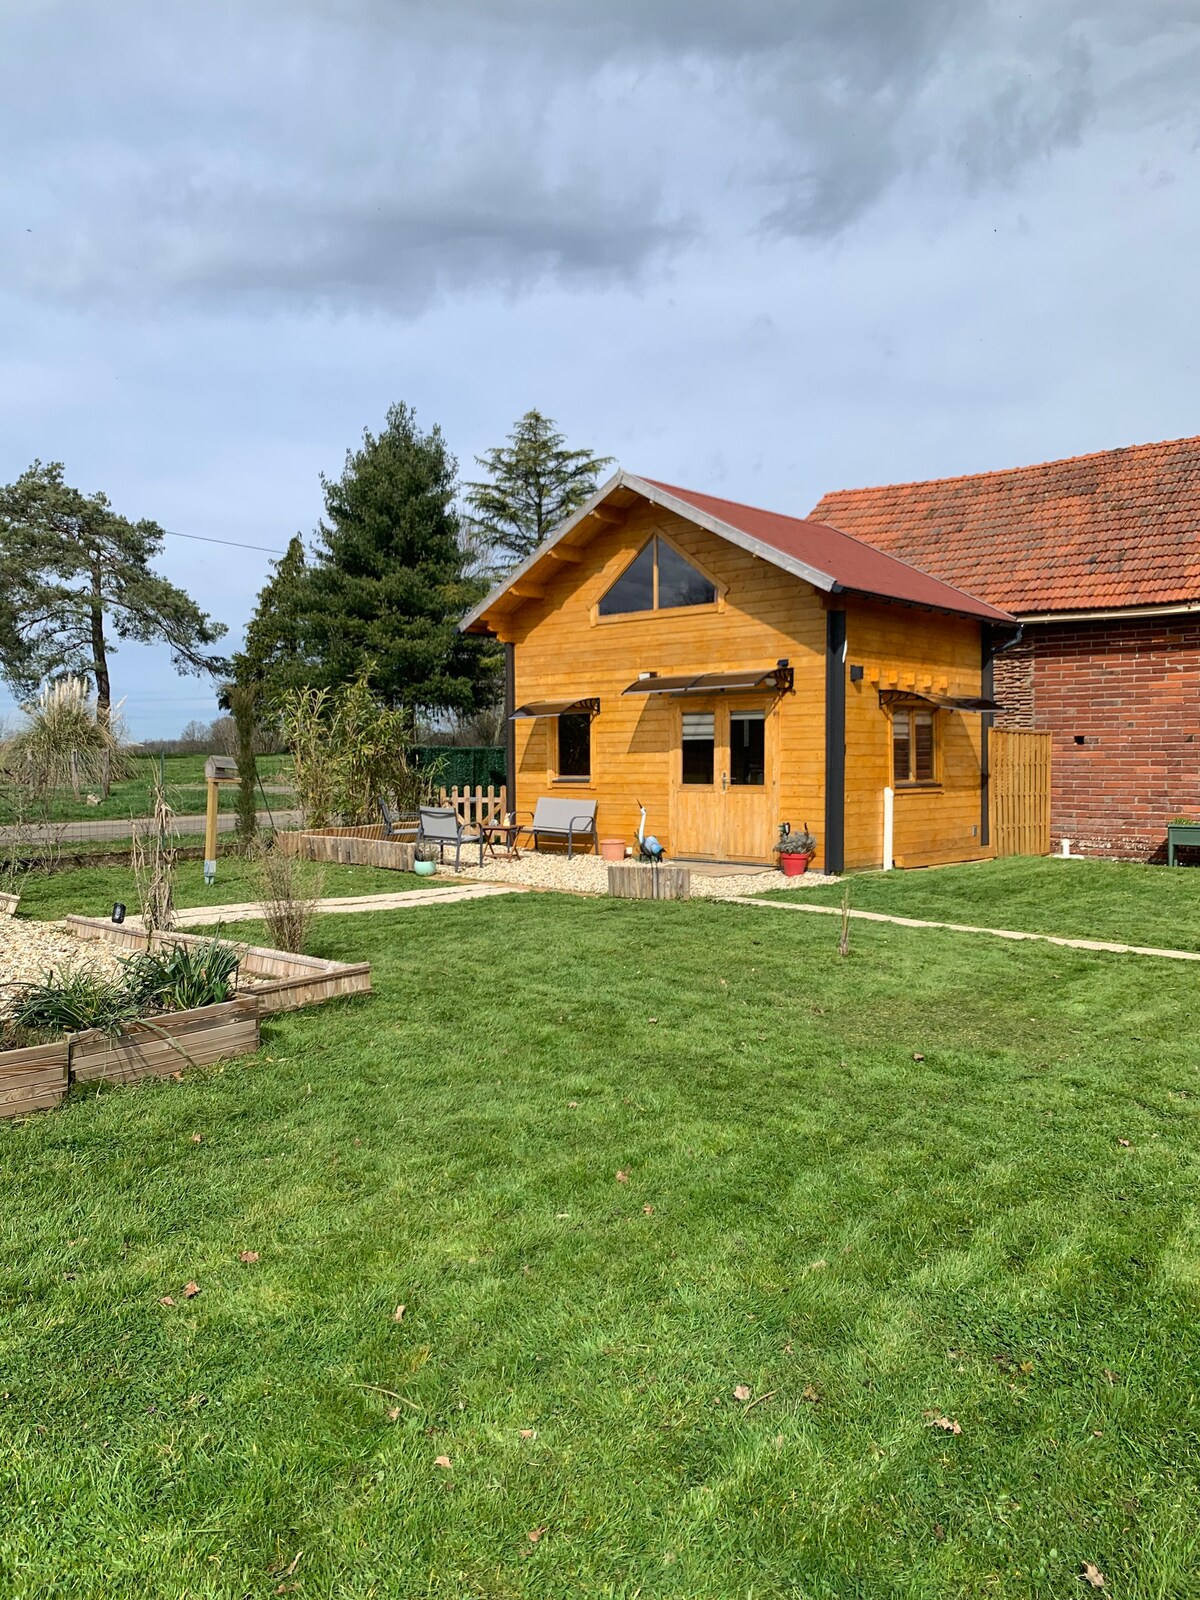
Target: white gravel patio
[588,874]
[30,950]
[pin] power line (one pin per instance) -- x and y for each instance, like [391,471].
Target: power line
[203,538]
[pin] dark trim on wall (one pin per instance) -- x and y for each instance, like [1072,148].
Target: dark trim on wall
[510,727]
[987,688]
[835,741]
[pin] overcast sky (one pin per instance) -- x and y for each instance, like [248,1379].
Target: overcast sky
[765,249]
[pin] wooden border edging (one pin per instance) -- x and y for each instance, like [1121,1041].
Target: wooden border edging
[349,847]
[292,981]
[1103,946]
[167,1044]
[35,1078]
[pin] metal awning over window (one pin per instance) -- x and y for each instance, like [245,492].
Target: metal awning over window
[961,702]
[767,678]
[557,708]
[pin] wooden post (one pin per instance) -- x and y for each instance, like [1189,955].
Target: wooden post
[210,834]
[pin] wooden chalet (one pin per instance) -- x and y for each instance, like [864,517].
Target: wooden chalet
[732,669]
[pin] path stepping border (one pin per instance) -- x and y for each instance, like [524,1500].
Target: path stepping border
[209,916]
[964,927]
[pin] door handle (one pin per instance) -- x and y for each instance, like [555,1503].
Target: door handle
[724,780]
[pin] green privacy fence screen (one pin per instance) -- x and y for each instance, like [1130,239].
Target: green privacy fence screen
[463,766]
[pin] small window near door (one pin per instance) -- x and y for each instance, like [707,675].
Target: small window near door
[574,746]
[914,746]
[698,740]
[747,747]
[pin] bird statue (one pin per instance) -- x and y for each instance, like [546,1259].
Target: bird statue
[648,845]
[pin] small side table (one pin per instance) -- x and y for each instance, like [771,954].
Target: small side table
[500,840]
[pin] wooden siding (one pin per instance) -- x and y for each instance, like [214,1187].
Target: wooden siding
[562,650]
[925,653]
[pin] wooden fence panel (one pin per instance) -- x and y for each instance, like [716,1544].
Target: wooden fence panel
[1020,791]
[477,805]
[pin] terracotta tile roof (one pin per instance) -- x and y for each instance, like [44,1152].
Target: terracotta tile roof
[848,560]
[1119,528]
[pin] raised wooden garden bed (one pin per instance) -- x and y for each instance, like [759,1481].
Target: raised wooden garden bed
[34,1078]
[349,847]
[283,982]
[167,1044]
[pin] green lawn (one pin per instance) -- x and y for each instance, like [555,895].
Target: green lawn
[91,891]
[184,778]
[616,1160]
[1118,900]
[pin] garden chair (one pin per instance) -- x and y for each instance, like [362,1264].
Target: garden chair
[395,825]
[443,827]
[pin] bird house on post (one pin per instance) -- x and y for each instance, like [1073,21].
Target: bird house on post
[217,770]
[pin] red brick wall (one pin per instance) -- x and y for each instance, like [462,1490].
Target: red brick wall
[1131,692]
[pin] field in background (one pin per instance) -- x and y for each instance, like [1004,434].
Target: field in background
[184,777]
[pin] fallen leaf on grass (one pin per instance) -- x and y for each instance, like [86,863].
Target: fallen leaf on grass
[1108,1375]
[811,1394]
[1126,1144]
[529,1433]
[572,1105]
[535,1534]
[442,1461]
[741,1392]
[939,1533]
[649,1210]
[946,1424]
[398,1314]
[166,1301]
[622,1177]
[393,1414]
[651,1019]
[191,1290]
[1092,1574]
[917,1056]
[248,1257]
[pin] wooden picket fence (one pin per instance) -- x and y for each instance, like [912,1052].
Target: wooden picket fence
[1020,791]
[476,805]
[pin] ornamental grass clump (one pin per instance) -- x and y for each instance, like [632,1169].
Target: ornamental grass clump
[288,898]
[183,977]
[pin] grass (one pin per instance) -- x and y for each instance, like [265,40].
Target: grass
[184,777]
[1117,900]
[91,891]
[868,1189]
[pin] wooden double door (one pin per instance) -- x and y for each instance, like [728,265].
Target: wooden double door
[724,782]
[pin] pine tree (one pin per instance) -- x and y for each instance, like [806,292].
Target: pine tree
[382,595]
[74,576]
[534,483]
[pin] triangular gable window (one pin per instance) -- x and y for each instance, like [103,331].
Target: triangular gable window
[657,579]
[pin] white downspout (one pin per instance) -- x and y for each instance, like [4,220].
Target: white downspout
[889,817]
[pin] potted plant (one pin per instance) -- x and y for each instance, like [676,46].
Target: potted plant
[425,859]
[795,850]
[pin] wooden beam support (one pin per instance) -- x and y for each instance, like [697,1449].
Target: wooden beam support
[528,591]
[612,515]
[561,552]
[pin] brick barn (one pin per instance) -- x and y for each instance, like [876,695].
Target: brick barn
[1099,558]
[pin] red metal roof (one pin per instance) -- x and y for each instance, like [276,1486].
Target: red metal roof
[1098,532]
[848,560]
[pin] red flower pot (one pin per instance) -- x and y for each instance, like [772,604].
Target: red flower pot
[794,866]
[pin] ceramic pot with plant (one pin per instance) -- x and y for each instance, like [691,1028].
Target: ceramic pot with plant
[425,860]
[795,850]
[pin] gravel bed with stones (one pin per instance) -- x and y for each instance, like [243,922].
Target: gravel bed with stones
[31,950]
[589,875]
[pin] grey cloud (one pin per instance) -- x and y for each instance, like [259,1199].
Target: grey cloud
[365,154]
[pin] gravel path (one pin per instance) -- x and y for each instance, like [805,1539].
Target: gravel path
[589,875]
[29,950]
